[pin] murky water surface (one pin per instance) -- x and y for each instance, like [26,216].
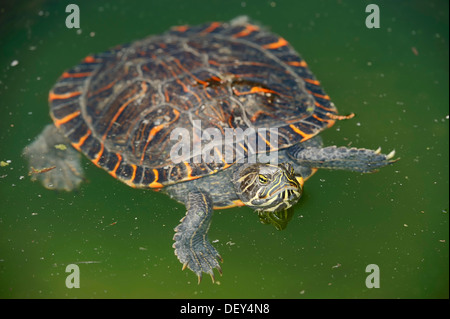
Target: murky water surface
[395,79]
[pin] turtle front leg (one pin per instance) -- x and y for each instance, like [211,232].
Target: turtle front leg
[343,158]
[53,161]
[192,246]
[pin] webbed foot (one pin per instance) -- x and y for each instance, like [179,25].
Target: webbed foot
[53,161]
[192,246]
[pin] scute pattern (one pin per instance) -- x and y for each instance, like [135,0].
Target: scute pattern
[120,106]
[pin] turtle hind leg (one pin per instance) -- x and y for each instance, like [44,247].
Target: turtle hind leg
[53,161]
[332,157]
[192,246]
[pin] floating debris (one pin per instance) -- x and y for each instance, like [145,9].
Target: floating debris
[40,171]
[61,147]
[3,163]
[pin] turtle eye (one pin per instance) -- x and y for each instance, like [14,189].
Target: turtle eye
[263,179]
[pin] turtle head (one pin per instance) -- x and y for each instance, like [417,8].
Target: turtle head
[266,187]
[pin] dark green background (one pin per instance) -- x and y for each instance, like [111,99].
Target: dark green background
[395,79]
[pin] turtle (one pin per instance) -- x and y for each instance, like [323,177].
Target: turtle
[136,109]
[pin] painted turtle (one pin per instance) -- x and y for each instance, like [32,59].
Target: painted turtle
[120,108]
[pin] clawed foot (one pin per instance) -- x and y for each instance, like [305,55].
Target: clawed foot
[198,255]
[192,246]
[365,160]
[332,157]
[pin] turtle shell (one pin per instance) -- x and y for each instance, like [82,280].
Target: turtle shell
[120,107]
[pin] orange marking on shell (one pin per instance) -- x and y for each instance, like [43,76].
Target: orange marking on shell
[90,59]
[188,169]
[65,119]
[320,119]
[99,154]
[133,175]
[330,122]
[255,89]
[325,97]
[243,147]
[152,134]
[166,95]
[155,183]
[122,108]
[302,64]
[221,156]
[106,87]
[211,28]
[300,132]
[311,81]
[52,96]
[249,28]
[119,160]
[266,141]
[280,43]
[323,107]
[75,75]
[175,75]
[82,140]
[212,62]
[155,130]
[180,28]
[215,78]
[189,172]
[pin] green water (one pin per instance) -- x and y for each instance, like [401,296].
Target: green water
[395,79]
